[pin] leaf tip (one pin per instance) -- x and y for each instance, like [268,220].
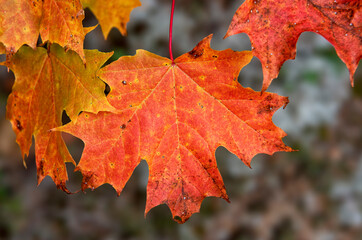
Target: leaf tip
[24,163]
[89,29]
[180,220]
[286,102]
[351,79]
[226,198]
[63,187]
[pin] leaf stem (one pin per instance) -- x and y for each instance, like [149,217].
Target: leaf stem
[170,34]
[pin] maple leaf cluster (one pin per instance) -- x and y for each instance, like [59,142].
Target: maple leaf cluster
[172,114]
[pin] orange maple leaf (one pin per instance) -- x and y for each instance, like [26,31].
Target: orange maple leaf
[21,22]
[175,115]
[275,26]
[112,13]
[46,83]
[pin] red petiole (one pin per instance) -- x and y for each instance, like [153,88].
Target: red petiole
[170,34]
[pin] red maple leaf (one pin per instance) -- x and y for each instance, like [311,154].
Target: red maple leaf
[174,116]
[274,27]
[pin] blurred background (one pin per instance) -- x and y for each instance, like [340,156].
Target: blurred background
[315,193]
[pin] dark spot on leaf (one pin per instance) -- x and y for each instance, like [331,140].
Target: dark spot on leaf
[196,53]
[123,126]
[40,168]
[279,146]
[18,125]
[268,108]
[268,98]
[290,25]
[214,56]
[178,219]
[86,178]
[123,25]
[124,82]
[265,109]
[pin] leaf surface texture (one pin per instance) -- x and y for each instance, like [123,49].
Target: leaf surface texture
[275,26]
[175,116]
[46,83]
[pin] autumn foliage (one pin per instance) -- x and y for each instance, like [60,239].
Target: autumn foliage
[172,114]
[40,94]
[275,26]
